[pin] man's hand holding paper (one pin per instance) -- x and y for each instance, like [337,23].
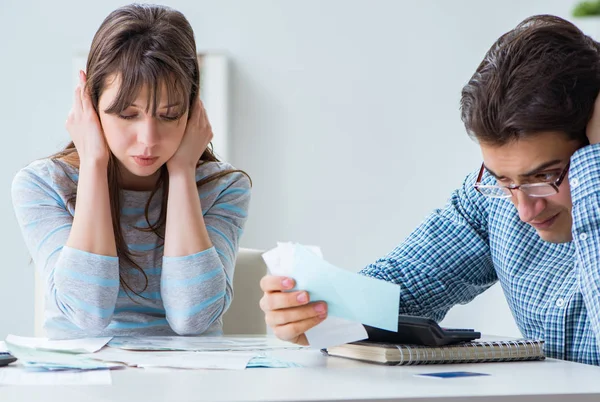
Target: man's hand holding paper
[351,299]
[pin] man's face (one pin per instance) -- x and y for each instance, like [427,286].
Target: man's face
[537,158]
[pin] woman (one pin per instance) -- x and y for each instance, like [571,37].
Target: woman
[135,225]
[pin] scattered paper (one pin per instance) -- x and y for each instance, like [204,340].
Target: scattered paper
[334,330]
[348,295]
[200,343]
[48,360]
[173,359]
[83,345]
[225,353]
[21,376]
[201,360]
[191,360]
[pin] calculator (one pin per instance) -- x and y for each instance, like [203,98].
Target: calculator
[421,331]
[6,359]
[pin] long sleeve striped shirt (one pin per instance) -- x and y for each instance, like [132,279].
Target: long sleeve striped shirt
[83,294]
[553,290]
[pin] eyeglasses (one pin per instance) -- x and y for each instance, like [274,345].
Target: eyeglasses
[545,189]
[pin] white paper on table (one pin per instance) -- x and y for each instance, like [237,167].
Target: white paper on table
[172,359]
[82,345]
[201,360]
[20,376]
[3,347]
[55,360]
[334,330]
[201,343]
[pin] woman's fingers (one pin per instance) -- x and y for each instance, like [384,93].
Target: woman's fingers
[86,99]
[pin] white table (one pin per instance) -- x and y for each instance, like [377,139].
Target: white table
[328,378]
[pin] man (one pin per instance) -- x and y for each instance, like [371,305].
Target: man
[529,217]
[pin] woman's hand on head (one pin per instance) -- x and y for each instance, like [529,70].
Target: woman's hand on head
[289,314]
[198,134]
[85,129]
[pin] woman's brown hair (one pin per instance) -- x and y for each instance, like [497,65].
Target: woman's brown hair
[146,46]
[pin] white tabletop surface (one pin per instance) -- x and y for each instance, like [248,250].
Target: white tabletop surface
[330,378]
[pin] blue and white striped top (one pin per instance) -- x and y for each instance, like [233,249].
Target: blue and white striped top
[185,295]
[553,290]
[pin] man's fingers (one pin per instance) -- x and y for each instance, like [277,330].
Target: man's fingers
[294,331]
[282,300]
[271,283]
[289,314]
[295,314]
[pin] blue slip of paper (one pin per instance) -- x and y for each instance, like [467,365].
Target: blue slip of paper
[270,362]
[348,295]
[453,374]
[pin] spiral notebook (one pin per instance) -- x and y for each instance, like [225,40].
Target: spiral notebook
[467,352]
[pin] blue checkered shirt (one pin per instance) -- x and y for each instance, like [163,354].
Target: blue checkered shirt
[553,290]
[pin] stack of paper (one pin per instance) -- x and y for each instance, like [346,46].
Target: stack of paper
[202,352]
[186,360]
[189,360]
[45,354]
[201,343]
[83,345]
[228,353]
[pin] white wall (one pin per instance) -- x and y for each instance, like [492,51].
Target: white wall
[345,113]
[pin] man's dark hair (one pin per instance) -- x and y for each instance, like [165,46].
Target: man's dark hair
[544,75]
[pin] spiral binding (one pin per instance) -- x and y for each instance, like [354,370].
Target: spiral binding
[471,352]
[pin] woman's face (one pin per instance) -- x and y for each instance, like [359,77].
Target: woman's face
[142,143]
